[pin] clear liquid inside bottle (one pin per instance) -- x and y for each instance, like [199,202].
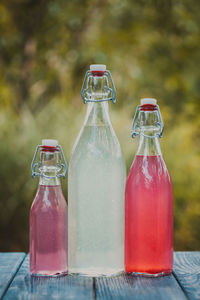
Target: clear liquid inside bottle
[96,196]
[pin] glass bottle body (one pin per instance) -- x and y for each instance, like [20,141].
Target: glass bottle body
[149,212]
[48,230]
[96,197]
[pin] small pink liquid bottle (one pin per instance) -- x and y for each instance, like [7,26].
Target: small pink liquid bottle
[148,199]
[48,215]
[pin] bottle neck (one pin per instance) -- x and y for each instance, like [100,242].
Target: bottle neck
[97,114]
[147,127]
[49,168]
[97,109]
[49,181]
[148,146]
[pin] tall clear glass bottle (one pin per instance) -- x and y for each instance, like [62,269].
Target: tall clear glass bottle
[148,199]
[48,215]
[96,185]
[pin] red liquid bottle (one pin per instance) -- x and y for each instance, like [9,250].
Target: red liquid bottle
[48,215]
[148,199]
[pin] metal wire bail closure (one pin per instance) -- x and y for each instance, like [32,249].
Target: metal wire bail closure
[110,89]
[62,166]
[159,123]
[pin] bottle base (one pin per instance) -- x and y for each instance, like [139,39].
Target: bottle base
[49,274]
[95,273]
[148,274]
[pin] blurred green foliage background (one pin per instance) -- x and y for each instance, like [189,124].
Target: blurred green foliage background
[152,49]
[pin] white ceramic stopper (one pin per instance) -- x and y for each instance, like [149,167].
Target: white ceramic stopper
[50,143]
[98,68]
[144,101]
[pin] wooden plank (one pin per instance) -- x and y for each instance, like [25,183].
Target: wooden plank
[24,286]
[128,287]
[9,264]
[187,272]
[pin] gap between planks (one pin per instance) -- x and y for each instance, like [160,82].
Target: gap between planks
[13,277]
[181,286]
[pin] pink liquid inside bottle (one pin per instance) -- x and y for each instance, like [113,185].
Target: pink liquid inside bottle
[148,204]
[48,222]
[48,232]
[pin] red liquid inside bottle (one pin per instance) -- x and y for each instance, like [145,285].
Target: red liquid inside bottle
[148,206]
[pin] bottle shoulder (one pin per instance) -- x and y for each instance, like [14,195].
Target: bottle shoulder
[49,197]
[96,139]
[149,168]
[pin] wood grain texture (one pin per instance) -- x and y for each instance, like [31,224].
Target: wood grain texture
[128,287]
[187,271]
[26,287]
[16,282]
[9,264]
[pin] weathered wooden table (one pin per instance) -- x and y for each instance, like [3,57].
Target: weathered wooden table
[16,282]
